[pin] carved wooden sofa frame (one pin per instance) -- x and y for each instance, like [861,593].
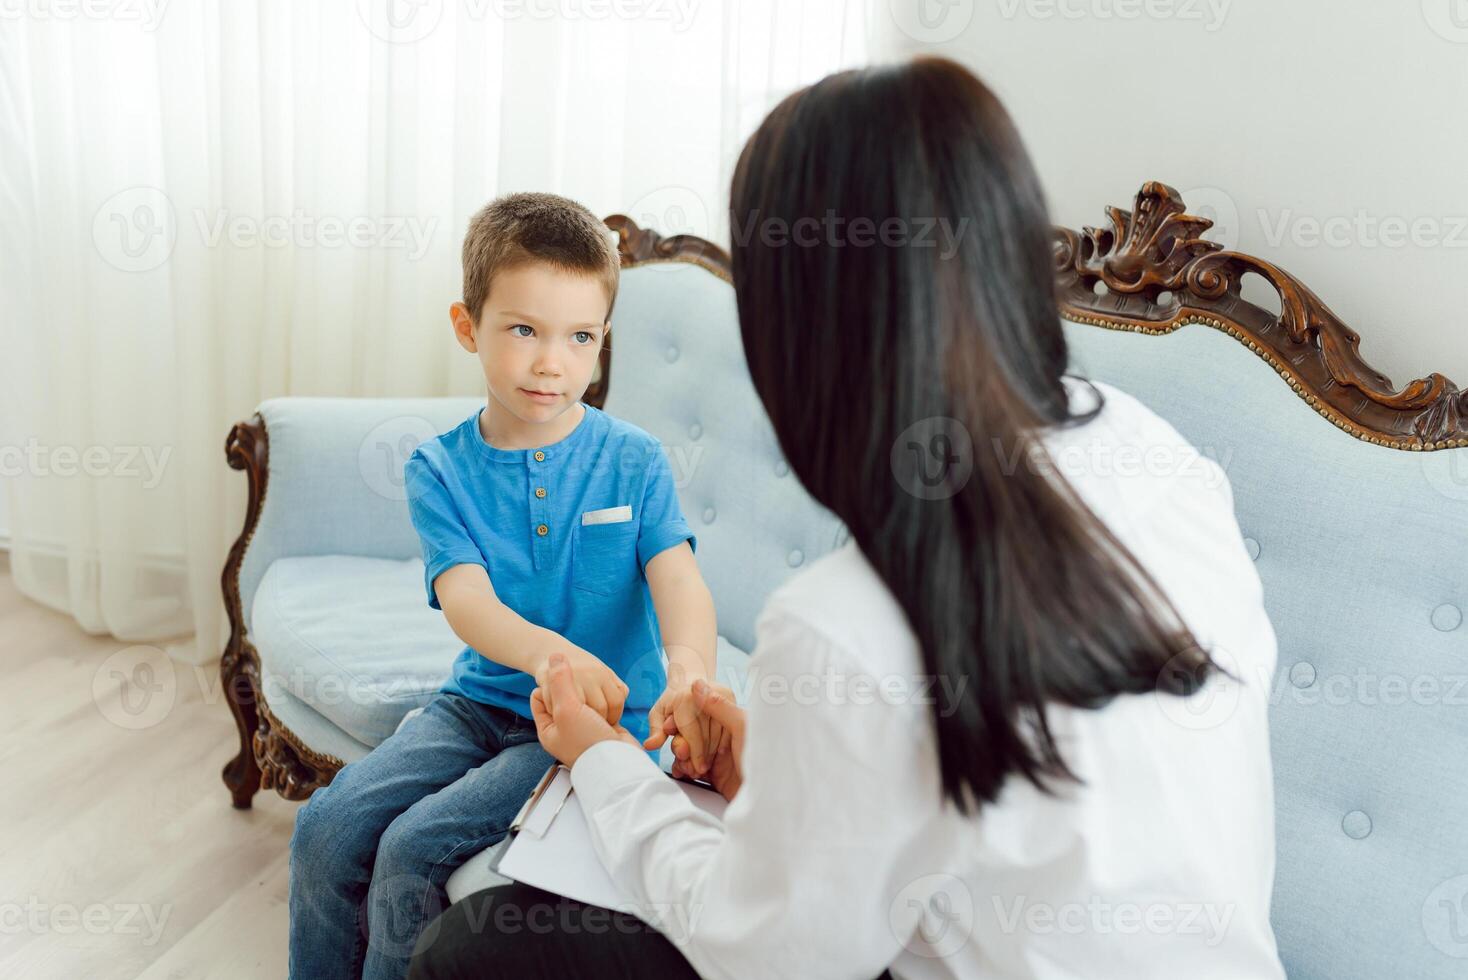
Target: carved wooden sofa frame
[1158,273]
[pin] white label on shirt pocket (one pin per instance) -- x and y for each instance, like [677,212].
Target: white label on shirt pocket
[612,515]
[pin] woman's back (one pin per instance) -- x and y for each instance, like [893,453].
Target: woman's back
[1160,864]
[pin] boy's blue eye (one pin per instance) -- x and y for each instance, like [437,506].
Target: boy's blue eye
[584,336]
[520,326]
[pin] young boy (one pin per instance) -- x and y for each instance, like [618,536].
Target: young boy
[547,526]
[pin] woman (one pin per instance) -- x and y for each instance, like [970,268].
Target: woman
[1087,792]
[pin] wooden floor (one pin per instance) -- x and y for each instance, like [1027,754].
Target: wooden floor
[120,855]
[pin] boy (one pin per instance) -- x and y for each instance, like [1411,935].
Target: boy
[547,527]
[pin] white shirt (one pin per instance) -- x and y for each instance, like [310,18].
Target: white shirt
[839,857]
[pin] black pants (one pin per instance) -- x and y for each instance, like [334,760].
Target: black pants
[522,932]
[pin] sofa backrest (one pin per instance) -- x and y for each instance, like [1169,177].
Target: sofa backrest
[678,371]
[1361,551]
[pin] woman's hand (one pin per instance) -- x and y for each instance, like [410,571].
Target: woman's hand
[676,713]
[725,770]
[567,726]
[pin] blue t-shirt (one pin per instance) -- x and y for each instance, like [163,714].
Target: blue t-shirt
[564,532]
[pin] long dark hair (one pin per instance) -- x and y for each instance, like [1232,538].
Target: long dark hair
[876,339]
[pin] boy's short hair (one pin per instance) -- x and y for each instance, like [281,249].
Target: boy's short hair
[535,227]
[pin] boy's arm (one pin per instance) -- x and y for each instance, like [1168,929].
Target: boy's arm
[689,628]
[686,615]
[500,634]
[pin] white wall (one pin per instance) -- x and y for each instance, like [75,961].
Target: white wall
[1286,112]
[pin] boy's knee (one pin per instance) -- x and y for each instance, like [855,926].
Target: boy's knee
[403,846]
[324,825]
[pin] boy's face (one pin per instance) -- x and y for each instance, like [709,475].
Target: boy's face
[537,338]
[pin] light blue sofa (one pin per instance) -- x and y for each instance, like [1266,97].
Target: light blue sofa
[1360,548]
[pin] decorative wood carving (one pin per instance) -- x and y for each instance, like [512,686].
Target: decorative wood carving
[1161,274]
[270,755]
[643,246]
[640,246]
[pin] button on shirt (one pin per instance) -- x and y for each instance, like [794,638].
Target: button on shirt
[523,515]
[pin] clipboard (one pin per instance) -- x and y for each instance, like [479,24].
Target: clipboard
[549,843]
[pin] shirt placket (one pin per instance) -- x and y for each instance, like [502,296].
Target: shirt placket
[541,529]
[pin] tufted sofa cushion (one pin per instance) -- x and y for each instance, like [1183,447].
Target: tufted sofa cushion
[1360,549]
[678,371]
[352,638]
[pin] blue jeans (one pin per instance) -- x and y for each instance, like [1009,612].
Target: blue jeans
[371,852]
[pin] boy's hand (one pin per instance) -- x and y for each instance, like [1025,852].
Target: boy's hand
[572,727]
[600,688]
[725,771]
[676,712]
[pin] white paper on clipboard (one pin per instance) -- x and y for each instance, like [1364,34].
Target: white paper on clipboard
[553,848]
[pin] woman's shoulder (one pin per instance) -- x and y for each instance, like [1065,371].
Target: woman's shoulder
[840,598]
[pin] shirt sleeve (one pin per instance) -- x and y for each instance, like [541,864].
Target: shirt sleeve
[441,532]
[662,525]
[805,875]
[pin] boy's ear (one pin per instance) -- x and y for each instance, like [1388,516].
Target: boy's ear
[464,327]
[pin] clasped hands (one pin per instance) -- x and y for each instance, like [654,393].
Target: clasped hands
[705,723]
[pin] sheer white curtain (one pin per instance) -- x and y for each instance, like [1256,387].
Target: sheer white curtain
[205,203]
